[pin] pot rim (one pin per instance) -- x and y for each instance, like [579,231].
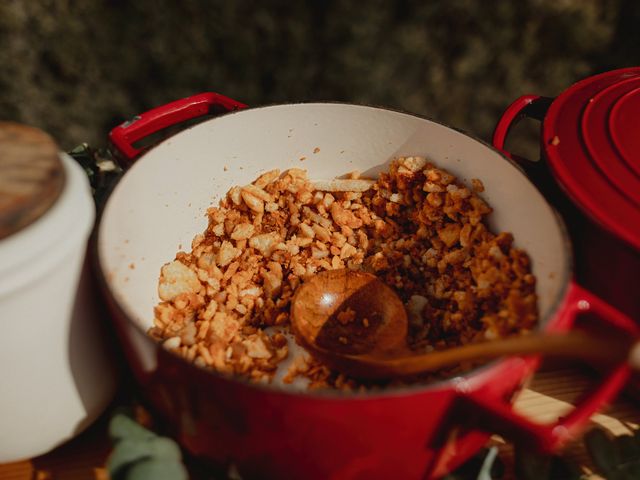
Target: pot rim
[334,394]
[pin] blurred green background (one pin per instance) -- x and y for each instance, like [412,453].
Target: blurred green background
[78,68]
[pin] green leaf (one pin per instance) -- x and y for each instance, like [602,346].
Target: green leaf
[124,454]
[487,468]
[132,450]
[121,427]
[602,450]
[79,149]
[157,470]
[483,463]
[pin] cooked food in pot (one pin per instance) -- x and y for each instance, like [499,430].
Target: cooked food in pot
[225,304]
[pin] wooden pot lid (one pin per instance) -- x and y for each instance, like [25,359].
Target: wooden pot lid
[31,176]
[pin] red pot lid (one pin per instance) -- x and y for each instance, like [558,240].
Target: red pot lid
[591,136]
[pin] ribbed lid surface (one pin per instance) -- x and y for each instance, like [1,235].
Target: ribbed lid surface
[592,141]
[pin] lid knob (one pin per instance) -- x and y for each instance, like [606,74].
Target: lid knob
[31,176]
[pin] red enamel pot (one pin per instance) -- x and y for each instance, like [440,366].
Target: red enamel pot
[278,431]
[590,172]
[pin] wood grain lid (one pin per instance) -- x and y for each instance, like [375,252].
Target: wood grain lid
[31,176]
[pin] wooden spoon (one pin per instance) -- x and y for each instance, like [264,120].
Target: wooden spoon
[356,324]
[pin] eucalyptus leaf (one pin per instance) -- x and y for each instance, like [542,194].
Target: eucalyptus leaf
[602,451]
[164,448]
[155,469]
[470,468]
[487,464]
[100,168]
[125,453]
[130,450]
[121,426]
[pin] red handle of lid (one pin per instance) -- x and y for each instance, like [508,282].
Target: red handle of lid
[531,106]
[526,106]
[551,437]
[124,136]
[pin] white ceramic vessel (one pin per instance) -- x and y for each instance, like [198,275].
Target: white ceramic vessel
[55,375]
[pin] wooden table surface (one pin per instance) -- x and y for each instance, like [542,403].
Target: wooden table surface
[549,396]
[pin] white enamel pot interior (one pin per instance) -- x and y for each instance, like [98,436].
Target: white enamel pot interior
[160,204]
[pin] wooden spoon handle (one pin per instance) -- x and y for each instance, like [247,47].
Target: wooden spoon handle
[575,345]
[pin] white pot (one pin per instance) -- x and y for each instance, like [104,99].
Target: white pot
[55,376]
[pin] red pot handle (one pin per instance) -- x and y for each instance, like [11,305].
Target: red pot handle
[531,106]
[126,134]
[499,417]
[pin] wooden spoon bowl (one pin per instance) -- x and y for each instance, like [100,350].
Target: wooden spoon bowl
[356,324]
[348,312]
